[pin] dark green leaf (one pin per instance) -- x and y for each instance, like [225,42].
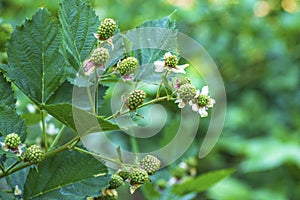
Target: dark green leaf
[89,187]
[79,120]
[202,182]
[7,94]
[35,64]
[63,173]
[11,122]
[79,23]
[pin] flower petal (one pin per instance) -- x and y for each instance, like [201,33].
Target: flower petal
[178,101]
[182,66]
[159,66]
[211,103]
[177,71]
[181,104]
[168,54]
[202,111]
[195,107]
[204,90]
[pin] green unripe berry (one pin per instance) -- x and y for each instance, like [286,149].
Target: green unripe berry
[100,56]
[162,184]
[191,162]
[34,154]
[136,98]
[179,172]
[203,100]
[116,181]
[128,66]
[124,174]
[12,140]
[107,29]
[187,92]
[138,176]
[150,163]
[171,61]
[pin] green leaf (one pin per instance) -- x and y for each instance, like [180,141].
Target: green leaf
[79,23]
[89,187]
[66,171]
[7,94]
[79,120]
[35,63]
[202,182]
[11,122]
[151,40]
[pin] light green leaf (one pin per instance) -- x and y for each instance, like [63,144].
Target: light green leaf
[62,172]
[7,94]
[35,64]
[79,120]
[11,122]
[79,23]
[202,182]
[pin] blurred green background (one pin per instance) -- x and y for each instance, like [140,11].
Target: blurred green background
[256,46]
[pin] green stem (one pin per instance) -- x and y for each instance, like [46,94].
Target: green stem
[90,99]
[12,166]
[118,113]
[44,130]
[134,144]
[158,90]
[57,137]
[2,168]
[48,154]
[101,157]
[96,92]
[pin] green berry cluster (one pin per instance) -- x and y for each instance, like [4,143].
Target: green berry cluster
[12,140]
[127,66]
[171,61]
[203,100]
[107,29]
[138,176]
[34,154]
[150,163]
[187,92]
[124,174]
[115,182]
[136,98]
[100,56]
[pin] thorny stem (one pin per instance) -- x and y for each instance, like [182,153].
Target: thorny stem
[96,91]
[12,166]
[101,157]
[44,130]
[68,145]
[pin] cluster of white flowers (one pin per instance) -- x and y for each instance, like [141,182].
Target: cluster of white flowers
[200,101]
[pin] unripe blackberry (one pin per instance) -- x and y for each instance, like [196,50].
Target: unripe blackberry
[191,162]
[100,56]
[187,92]
[107,29]
[136,98]
[138,176]
[124,174]
[128,66]
[115,182]
[203,100]
[12,140]
[179,172]
[171,61]
[150,163]
[34,154]
[162,184]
